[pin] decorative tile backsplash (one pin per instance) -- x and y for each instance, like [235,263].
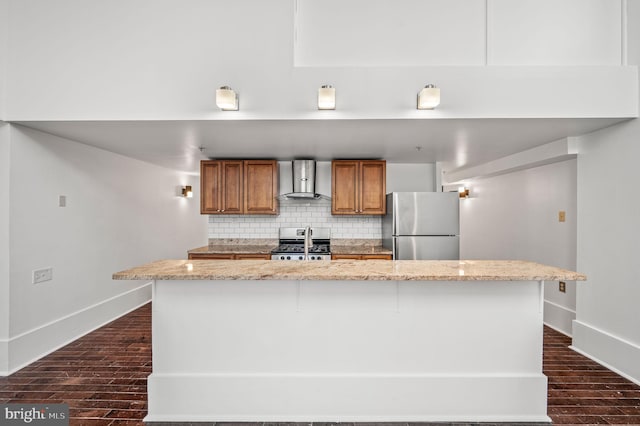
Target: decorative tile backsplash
[295,214]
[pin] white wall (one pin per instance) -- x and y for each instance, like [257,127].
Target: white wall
[404,177]
[389,33]
[4,40]
[163,59]
[551,32]
[4,245]
[607,327]
[608,324]
[120,213]
[457,32]
[4,194]
[515,216]
[633,32]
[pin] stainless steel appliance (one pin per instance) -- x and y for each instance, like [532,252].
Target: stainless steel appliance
[303,179]
[422,225]
[295,241]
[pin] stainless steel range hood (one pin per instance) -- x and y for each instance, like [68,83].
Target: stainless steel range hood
[304,180]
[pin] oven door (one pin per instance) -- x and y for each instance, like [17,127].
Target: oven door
[298,256]
[287,256]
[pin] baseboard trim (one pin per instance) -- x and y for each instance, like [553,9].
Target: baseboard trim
[27,347]
[4,357]
[336,397]
[557,329]
[559,317]
[506,420]
[615,353]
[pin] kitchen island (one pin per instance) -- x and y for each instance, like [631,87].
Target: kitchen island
[347,341]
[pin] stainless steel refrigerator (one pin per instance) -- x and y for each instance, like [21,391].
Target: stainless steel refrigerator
[422,225]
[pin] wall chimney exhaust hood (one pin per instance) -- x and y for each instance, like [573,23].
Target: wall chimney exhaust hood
[304,180]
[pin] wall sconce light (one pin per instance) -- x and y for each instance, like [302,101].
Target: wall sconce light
[326,97]
[463,192]
[187,192]
[429,97]
[226,99]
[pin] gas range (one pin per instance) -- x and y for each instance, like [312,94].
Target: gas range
[292,244]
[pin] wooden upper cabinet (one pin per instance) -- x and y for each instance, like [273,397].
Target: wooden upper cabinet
[210,184]
[358,187]
[260,187]
[344,187]
[239,187]
[373,187]
[232,187]
[221,187]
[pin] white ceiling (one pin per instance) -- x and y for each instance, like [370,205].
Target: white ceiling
[460,142]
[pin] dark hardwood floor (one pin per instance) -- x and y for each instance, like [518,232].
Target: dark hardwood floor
[103,377]
[582,391]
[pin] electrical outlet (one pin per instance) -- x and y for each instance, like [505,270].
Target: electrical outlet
[41,275]
[562,286]
[562,216]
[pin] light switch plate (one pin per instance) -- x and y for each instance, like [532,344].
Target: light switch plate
[562,216]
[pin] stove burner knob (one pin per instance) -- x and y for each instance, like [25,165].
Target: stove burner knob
[300,257]
[312,258]
[318,258]
[288,257]
[281,257]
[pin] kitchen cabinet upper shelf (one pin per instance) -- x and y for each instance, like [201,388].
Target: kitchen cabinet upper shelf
[239,187]
[358,187]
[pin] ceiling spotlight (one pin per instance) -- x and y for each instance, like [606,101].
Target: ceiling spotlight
[326,97]
[429,97]
[226,99]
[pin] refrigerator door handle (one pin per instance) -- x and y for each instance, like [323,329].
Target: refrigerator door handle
[393,249]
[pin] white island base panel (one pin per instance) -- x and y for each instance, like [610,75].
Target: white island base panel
[357,351]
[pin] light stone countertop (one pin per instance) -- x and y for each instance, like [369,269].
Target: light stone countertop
[399,270]
[360,249]
[264,246]
[358,246]
[237,246]
[234,249]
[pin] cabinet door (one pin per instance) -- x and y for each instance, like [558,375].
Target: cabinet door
[260,186]
[253,256]
[344,187]
[376,257]
[211,256]
[373,187]
[232,202]
[346,256]
[210,187]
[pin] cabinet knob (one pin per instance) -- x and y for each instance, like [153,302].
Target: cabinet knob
[222,210]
